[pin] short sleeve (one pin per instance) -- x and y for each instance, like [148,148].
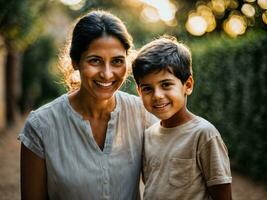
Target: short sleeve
[30,135]
[214,161]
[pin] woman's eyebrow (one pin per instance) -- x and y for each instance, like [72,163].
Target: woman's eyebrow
[120,56]
[94,56]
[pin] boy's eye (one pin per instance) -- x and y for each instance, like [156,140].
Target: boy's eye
[118,62]
[146,89]
[166,85]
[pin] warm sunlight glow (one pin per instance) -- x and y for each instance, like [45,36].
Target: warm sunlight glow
[250,1]
[167,12]
[235,25]
[150,14]
[264,17]
[218,6]
[165,8]
[262,4]
[74,4]
[133,3]
[196,25]
[248,10]
[233,4]
[75,77]
[207,14]
[70,2]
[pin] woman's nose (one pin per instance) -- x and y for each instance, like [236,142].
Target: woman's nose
[106,72]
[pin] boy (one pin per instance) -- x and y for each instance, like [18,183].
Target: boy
[184,155]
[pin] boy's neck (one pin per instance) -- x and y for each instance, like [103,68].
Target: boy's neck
[178,119]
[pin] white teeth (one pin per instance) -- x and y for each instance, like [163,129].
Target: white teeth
[160,106]
[104,84]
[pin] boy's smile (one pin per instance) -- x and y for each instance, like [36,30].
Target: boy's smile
[164,95]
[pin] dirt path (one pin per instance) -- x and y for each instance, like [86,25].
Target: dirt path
[243,188]
[9,165]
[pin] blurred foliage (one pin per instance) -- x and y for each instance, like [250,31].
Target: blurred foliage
[20,21]
[39,85]
[231,91]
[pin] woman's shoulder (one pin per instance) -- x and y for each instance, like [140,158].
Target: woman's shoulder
[50,110]
[129,99]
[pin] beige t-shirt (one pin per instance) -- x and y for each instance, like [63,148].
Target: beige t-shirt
[180,162]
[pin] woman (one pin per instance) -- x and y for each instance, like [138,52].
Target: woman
[87,144]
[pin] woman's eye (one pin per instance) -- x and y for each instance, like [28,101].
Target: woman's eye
[94,61]
[118,62]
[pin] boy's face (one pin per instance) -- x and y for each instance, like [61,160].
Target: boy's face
[164,95]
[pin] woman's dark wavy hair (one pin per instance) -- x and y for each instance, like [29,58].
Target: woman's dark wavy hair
[88,28]
[94,25]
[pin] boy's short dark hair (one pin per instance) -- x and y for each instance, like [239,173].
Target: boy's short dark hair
[164,53]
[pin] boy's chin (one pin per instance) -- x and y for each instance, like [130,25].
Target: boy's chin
[162,117]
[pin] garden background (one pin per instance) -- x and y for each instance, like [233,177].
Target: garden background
[228,39]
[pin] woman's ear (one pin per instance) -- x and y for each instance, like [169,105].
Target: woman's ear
[189,85]
[75,65]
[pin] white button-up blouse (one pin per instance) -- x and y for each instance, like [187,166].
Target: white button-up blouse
[77,169]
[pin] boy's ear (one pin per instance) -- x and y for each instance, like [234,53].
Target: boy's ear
[138,89]
[189,85]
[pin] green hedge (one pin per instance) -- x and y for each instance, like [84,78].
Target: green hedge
[231,92]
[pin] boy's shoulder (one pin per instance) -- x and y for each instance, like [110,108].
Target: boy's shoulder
[206,131]
[198,126]
[204,125]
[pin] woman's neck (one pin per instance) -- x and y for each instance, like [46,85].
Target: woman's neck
[91,108]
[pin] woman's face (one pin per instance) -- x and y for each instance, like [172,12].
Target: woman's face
[103,67]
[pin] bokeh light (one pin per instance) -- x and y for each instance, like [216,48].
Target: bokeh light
[150,14]
[70,2]
[204,18]
[264,17]
[218,7]
[235,25]
[248,10]
[74,4]
[207,14]
[262,4]
[196,24]
[233,4]
[166,10]
[250,1]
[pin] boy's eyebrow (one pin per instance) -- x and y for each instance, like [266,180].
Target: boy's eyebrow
[143,85]
[166,80]
[161,81]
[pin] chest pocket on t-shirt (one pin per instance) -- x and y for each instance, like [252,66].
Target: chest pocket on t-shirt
[180,171]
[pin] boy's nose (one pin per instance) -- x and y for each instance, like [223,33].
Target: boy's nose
[158,94]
